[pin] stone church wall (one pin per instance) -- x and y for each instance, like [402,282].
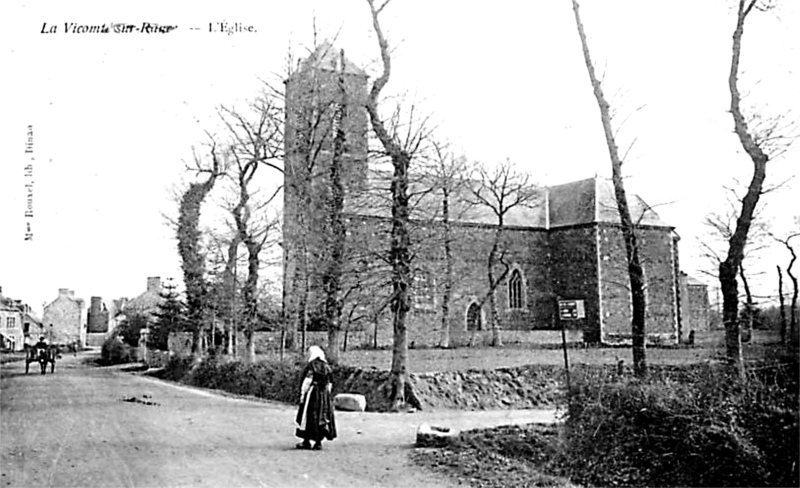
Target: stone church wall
[525,250]
[573,257]
[656,248]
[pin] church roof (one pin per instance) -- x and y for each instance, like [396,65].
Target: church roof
[580,202]
[593,200]
[327,58]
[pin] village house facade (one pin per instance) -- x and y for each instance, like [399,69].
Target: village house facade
[12,319]
[64,319]
[563,249]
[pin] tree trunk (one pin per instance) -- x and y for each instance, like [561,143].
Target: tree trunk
[230,279]
[782,305]
[793,309]
[399,251]
[448,274]
[192,259]
[251,295]
[336,232]
[747,333]
[729,267]
[635,269]
[497,341]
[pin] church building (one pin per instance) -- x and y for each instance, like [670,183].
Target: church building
[563,258]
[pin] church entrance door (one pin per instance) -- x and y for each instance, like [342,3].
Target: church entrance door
[474,317]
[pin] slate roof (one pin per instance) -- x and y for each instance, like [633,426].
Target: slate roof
[580,202]
[593,200]
[691,280]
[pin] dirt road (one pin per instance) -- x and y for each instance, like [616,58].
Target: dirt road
[75,428]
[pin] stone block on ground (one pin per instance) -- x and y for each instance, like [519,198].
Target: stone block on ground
[434,436]
[351,402]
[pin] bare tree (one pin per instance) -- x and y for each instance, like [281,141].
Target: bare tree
[448,172]
[500,189]
[635,268]
[401,154]
[722,226]
[793,306]
[758,139]
[315,115]
[254,141]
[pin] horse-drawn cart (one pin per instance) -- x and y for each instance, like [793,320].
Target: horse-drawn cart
[43,355]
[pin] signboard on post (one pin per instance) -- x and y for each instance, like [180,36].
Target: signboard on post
[571,310]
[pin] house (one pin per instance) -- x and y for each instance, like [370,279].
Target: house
[11,324]
[694,304]
[147,302]
[563,260]
[64,319]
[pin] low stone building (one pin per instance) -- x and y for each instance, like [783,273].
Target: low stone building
[694,304]
[64,320]
[146,303]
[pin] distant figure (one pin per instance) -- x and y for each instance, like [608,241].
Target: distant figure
[315,419]
[41,344]
[690,341]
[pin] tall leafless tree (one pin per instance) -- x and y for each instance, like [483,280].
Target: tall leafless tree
[635,268]
[760,141]
[500,189]
[401,154]
[255,140]
[793,305]
[448,173]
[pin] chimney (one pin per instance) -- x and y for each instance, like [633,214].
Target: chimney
[72,293]
[154,284]
[63,292]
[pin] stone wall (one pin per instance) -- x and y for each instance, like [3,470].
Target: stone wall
[269,342]
[694,304]
[573,254]
[657,257]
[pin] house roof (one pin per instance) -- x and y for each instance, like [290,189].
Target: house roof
[580,202]
[691,280]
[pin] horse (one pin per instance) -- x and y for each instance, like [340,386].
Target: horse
[42,355]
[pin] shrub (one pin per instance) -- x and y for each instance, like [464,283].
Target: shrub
[699,427]
[114,351]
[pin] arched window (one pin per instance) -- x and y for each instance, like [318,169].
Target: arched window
[424,291]
[474,317]
[515,290]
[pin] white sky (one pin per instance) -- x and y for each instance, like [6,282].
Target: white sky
[115,116]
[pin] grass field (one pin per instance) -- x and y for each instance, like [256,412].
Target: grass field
[709,346]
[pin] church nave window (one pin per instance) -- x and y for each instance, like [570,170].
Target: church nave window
[515,290]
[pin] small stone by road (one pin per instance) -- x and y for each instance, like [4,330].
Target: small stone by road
[96,427]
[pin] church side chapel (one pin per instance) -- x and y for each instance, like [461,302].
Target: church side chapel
[562,259]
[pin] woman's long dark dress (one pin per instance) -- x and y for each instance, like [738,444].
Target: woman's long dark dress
[315,416]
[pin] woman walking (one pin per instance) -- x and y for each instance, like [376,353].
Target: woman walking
[315,416]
